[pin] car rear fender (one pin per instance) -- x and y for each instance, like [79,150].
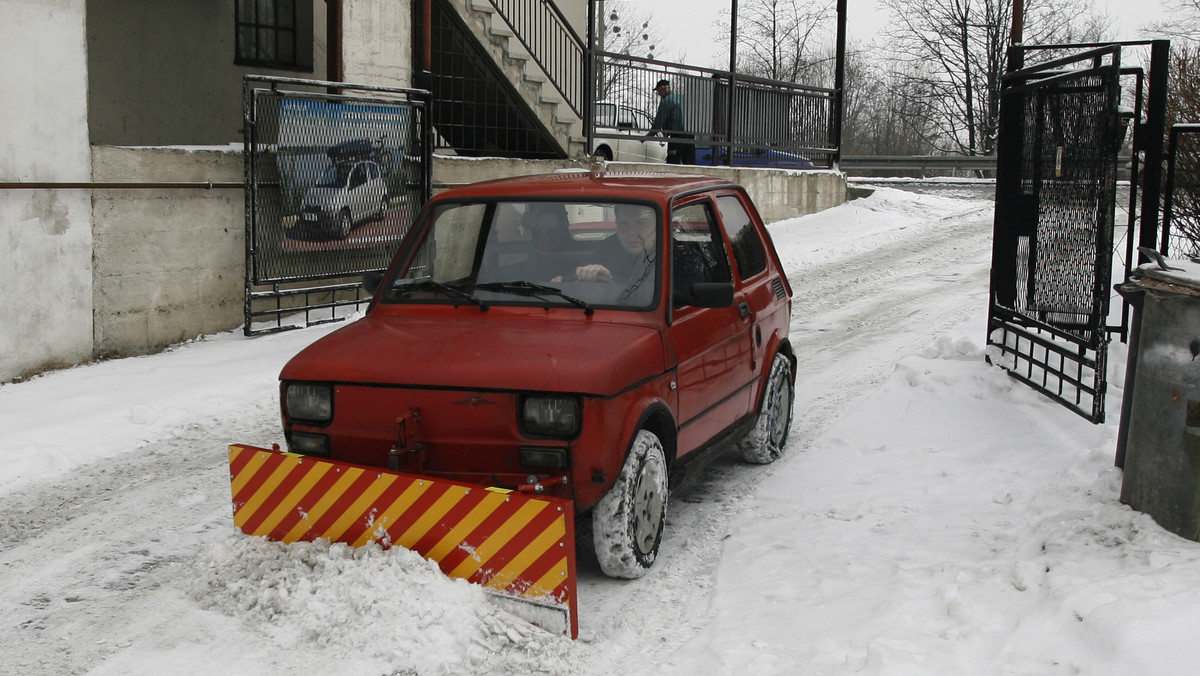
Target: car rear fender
[777,344]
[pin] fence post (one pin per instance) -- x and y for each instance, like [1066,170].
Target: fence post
[1156,121]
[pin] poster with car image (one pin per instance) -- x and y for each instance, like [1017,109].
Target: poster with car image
[342,173]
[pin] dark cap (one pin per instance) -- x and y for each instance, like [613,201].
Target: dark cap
[663,83]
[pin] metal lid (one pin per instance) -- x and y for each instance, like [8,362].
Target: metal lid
[1180,276]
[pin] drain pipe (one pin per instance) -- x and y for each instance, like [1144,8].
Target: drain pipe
[161,185]
[334,69]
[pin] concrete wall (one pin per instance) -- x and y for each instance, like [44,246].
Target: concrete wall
[169,264]
[45,236]
[377,42]
[576,12]
[779,194]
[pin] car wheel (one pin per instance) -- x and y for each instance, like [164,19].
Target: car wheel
[604,153]
[344,223]
[765,442]
[627,523]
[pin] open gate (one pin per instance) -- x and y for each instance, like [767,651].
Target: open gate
[1060,133]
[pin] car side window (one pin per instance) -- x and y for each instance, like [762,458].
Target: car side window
[748,249]
[698,253]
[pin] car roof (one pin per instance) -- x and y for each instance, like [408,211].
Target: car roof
[653,186]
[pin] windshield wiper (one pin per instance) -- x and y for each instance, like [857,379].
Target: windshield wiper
[448,289]
[525,288]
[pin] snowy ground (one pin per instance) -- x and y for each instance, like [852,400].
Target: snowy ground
[932,516]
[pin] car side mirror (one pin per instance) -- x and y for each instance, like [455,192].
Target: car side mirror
[370,282]
[707,294]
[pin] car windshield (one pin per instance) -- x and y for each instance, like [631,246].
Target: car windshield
[606,115]
[589,255]
[335,176]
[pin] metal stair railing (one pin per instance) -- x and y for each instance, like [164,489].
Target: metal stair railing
[550,40]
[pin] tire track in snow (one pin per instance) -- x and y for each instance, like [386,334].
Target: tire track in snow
[853,317]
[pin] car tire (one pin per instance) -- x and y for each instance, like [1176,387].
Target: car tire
[627,523]
[765,443]
[604,153]
[344,223]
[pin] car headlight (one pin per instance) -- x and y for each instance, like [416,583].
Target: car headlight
[309,402]
[549,416]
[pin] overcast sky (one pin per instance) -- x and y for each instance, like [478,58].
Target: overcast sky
[686,26]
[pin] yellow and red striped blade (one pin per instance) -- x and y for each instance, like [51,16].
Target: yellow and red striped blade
[516,545]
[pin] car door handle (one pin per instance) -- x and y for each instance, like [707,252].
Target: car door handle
[744,310]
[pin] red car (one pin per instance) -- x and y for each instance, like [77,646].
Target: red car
[590,337]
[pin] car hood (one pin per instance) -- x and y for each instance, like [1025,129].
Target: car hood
[323,196]
[485,351]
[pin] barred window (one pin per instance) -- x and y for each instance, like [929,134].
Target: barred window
[275,34]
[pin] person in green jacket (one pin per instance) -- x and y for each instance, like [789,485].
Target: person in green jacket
[669,122]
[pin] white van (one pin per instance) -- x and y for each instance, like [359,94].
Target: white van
[633,125]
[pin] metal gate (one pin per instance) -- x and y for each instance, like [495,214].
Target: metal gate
[335,175]
[1060,133]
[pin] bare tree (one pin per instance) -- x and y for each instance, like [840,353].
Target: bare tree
[781,39]
[953,54]
[623,28]
[1183,106]
[879,117]
[1184,23]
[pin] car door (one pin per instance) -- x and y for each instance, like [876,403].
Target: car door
[355,191]
[652,150]
[760,293]
[629,148]
[712,345]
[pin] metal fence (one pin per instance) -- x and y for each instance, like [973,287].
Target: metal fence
[550,40]
[1181,205]
[476,110]
[335,174]
[764,122]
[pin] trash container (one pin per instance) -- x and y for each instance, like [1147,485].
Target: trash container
[1159,437]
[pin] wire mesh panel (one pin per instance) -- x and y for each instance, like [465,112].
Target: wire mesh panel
[1060,134]
[335,174]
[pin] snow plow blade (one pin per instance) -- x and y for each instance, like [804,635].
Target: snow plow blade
[519,547]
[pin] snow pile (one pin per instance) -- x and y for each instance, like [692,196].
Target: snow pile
[954,523]
[388,610]
[57,421]
[931,515]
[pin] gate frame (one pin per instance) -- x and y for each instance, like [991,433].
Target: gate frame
[1177,130]
[1044,338]
[293,296]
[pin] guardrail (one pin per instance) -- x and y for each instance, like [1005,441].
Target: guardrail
[918,162]
[926,163]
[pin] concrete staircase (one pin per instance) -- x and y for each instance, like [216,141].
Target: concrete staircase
[533,85]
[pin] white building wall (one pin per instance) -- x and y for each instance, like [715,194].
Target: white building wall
[45,235]
[377,42]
